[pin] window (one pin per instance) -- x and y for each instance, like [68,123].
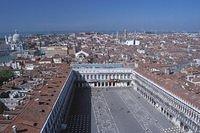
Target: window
[117,76]
[106,83]
[121,76]
[113,76]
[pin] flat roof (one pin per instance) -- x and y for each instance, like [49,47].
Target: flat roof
[96,65]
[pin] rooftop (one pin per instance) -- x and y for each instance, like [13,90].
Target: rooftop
[185,91]
[39,102]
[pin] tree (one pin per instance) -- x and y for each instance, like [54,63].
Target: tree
[5,75]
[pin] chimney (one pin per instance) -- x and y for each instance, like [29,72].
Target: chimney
[14,127]
[7,117]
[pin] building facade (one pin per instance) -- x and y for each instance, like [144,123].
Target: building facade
[57,116]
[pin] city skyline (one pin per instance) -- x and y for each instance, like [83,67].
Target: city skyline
[34,16]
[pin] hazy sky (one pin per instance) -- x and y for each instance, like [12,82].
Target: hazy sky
[99,15]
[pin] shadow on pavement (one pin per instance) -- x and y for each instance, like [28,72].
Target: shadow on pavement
[79,117]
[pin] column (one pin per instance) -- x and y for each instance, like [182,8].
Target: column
[98,84]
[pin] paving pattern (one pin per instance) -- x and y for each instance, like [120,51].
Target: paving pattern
[127,105]
[115,110]
[142,114]
[172,130]
[79,118]
[104,118]
[78,124]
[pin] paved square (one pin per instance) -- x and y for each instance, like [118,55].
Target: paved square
[114,110]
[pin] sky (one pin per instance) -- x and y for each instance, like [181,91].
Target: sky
[99,15]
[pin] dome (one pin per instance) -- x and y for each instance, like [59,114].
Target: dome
[10,39]
[16,37]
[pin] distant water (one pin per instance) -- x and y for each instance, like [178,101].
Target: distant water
[3,34]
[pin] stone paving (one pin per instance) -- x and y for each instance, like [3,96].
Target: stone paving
[139,112]
[104,120]
[144,116]
[115,110]
[79,124]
